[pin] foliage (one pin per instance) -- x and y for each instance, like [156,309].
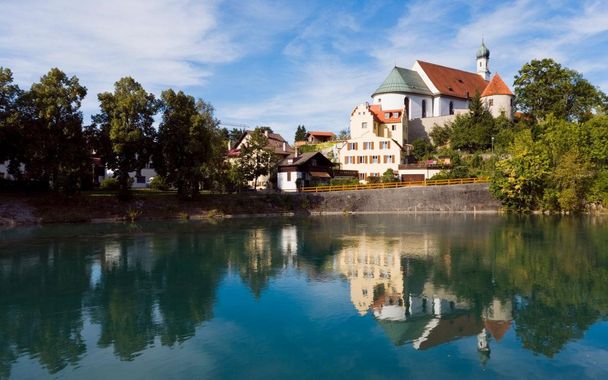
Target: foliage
[422,149]
[10,140]
[519,180]
[373,179]
[300,133]
[388,176]
[54,148]
[344,134]
[188,136]
[256,158]
[441,135]
[109,184]
[159,183]
[344,181]
[125,129]
[544,87]
[473,131]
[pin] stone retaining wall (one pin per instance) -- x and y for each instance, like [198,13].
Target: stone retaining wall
[454,198]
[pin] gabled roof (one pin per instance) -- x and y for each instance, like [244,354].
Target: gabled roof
[304,158]
[453,82]
[496,87]
[401,80]
[378,112]
[321,134]
[276,142]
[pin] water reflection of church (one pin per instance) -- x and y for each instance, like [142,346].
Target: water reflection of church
[390,278]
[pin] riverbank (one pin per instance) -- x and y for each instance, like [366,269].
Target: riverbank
[44,208]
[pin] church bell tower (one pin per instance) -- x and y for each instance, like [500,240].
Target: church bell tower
[483,56]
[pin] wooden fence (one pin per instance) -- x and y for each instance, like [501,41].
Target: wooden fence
[393,185]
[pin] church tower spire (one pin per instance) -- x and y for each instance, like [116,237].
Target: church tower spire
[483,56]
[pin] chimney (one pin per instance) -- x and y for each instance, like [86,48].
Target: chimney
[266,132]
[295,154]
[229,144]
[284,146]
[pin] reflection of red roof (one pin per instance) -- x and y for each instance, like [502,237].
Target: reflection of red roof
[453,82]
[496,87]
[378,112]
[451,328]
[498,329]
[321,134]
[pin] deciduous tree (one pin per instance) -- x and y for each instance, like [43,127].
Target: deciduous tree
[125,124]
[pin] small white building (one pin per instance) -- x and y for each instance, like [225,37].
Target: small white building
[307,169]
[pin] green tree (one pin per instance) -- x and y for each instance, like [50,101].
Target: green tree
[10,138]
[125,127]
[520,179]
[55,149]
[256,158]
[441,135]
[422,149]
[344,134]
[300,133]
[544,87]
[473,131]
[388,176]
[186,141]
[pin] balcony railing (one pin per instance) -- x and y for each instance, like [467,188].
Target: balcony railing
[393,185]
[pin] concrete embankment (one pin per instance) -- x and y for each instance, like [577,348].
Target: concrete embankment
[455,198]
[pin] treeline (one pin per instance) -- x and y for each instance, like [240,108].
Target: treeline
[553,157]
[44,139]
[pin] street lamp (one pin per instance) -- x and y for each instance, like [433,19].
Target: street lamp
[492,145]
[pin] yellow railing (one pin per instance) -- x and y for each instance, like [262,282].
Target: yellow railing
[393,185]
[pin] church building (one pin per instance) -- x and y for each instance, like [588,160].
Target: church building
[408,104]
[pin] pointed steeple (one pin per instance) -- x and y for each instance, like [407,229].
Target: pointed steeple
[483,56]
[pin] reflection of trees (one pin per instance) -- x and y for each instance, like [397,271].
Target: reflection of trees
[123,304]
[186,285]
[558,268]
[40,308]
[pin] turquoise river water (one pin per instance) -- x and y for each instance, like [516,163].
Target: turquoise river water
[359,297]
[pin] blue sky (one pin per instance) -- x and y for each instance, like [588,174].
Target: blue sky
[284,63]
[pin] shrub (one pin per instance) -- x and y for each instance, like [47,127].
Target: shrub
[371,179]
[158,183]
[109,184]
[344,181]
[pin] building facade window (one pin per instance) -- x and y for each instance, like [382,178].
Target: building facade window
[423,108]
[393,127]
[375,159]
[491,102]
[288,176]
[385,144]
[364,125]
[451,107]
[406,106]
[352,146]
[387,115]
[361,176]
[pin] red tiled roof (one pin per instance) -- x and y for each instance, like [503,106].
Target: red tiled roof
[453,82]
[496,87]
[378,112]
[323,134]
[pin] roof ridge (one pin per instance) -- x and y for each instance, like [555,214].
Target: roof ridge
[449,68]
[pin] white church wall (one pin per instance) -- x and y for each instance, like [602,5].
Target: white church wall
[389,101]
[500,104]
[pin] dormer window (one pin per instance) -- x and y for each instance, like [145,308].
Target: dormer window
[387,115]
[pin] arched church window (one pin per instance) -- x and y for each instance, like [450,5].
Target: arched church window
[451,108]
[423,108]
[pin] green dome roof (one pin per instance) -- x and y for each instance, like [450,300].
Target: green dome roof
[483,51]
[401,80]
